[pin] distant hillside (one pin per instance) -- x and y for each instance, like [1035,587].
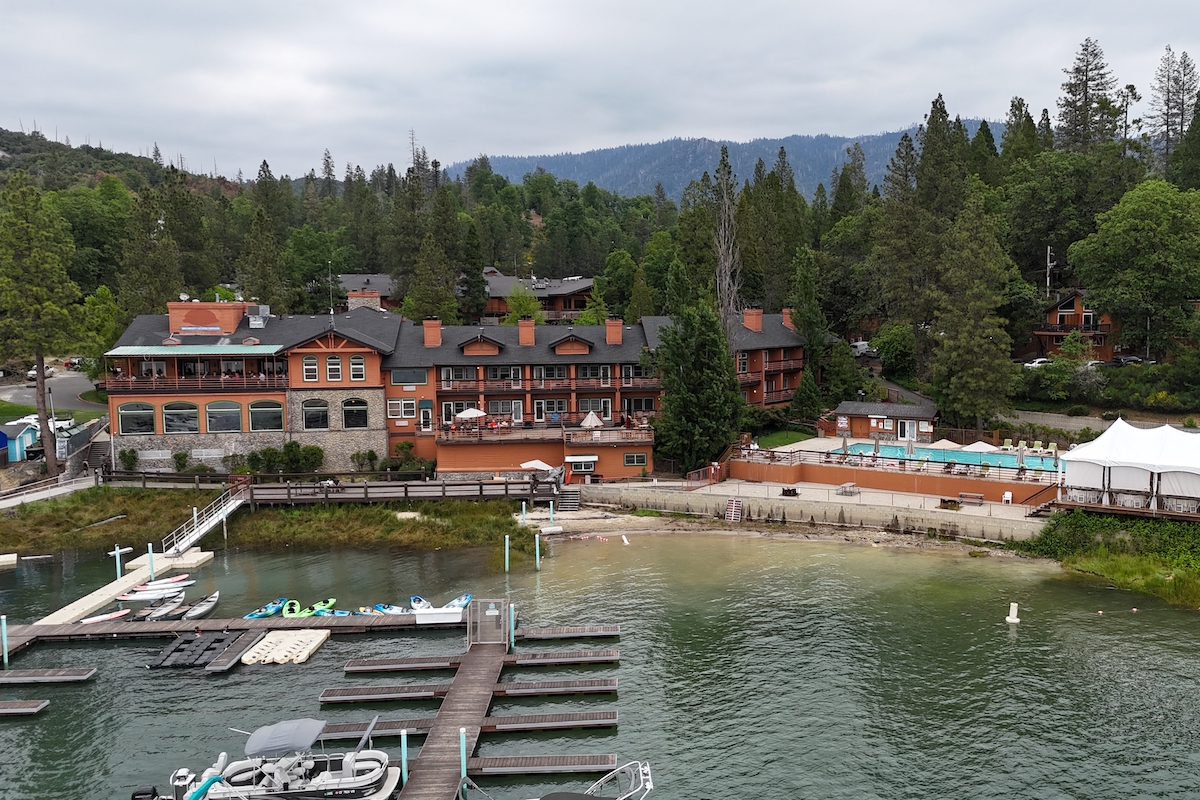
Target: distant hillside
[55,165]
[635,168]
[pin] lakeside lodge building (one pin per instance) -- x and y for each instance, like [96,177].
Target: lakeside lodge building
[213,379]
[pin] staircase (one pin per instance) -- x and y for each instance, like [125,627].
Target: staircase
[568,500]
[733,509]
[192,531]
[98,450]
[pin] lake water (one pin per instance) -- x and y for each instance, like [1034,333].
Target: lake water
[750,668]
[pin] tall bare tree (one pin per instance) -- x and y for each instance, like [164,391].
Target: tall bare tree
[729,268]
[1172,101]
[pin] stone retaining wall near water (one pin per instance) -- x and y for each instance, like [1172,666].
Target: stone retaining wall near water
[792,510]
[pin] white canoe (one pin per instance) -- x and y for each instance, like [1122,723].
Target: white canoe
[202,606]
[156,594]
[166,608]
[161,583]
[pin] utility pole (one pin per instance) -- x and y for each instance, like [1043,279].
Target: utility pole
[1049,265]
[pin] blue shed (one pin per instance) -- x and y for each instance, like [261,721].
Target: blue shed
[18,436]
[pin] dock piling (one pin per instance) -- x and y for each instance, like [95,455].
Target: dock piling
[512,627]
[551,512]
[522,513]
[462,750]
[150,558]
[403,756]
[537,550]
[4,637]
[506,552]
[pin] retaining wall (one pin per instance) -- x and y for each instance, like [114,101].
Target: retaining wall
[945,522]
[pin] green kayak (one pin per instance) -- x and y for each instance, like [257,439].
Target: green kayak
[292,609]
[320,605]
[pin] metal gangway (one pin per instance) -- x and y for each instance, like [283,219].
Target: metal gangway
[189,533]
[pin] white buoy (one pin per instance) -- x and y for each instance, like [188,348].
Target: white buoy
[624,539]
[1012,614]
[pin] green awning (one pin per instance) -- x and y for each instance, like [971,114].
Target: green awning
[189,350]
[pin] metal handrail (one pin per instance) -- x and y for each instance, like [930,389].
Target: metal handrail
[203,519]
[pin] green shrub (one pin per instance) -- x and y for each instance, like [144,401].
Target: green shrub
[200,469]
[180,460]
[1077,411]
[1110,416]
[129,459]
[1190,422]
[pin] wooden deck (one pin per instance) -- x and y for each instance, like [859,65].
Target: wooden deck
[576,632]
[537,688]
[197,650]
[418,663]
[234,652]
[539,765]
[430,691]
[46,675]
[506,724]
[21,708]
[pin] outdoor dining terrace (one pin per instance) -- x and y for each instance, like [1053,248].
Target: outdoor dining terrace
[916,464]
[152,384]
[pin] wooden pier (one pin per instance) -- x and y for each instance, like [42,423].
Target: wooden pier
[578,632]
[537,765]
[234,652]
[21,708]
[430,691]
[46,675]
[418,663]
[420,726]
[196,651]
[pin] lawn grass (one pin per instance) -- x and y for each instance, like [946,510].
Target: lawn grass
[98,396]
[11,411]
[780,438]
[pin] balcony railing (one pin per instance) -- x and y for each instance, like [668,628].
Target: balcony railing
[785,365]
[460,386]
[778,397]
[1046,327]
[628,382]
[748,378]
[608,436]
[239,383]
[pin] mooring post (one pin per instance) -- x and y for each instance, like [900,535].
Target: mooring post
[512,627]
[506,552]
[195,519]
[403,756]
[522,512]
[551,512]
[4,637]
[150,555]
[537,550]
[462,750]
[117,555]
[225,526]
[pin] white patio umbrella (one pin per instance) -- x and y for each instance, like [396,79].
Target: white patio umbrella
[980,447]
[470,413]
[876,447]
[845,446]
[1021,456]
[592,421]
[537,464]
[910,447]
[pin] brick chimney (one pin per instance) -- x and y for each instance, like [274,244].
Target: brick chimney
[613,331]
[525,332]
[787,319]
[363,298]
[433,332]
[752,319]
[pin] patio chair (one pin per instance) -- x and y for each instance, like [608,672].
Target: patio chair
[1052,448]
[1007,445]
[983,469]
[1037,474]
[1037,446]
[1022,444]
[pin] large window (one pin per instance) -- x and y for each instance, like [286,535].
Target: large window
[354,413]
[224,416]
[405,408]
[411,376]
[638,403]
[233,367]
[266,415]
[635,459]
[458,373]
[601,405]
[333,368]
[181,418]
[136,419]
[554,372]
[743,362]
[358,368]
[316,415]
[500,406]
[504,373]
[591,371]
[152,369]
[310,368]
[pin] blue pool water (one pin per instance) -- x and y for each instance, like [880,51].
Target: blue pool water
[996,459]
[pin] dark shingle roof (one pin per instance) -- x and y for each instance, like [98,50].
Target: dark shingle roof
[412,352]
[850,408]
[369,327]
[375,281]
[500,286]
[773,334]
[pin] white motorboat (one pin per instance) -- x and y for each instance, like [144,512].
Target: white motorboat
[630,782]
[280,764]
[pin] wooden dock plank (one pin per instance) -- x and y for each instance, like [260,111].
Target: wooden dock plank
[385,727]
[548,659]
[541,765]
[14,676]
[412,663]
[533,688]
[563,658]
[570,632]
[549,722]
[21,708]
[234,652]
[377,694]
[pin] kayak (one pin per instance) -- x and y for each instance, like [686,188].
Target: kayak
[164,611]
[363,611]
[419,602]
[202,607]
[161,584]
[331,612]
[166,587]
[459,602]
[145,611]
[269,610]
[292,609]
[156,594]
[104,617]
[390,610]
[311,611]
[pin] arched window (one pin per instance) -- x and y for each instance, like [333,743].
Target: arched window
[354,413]
[333,368]
[224,416]
[136,419]
[266,415]
[316,415]
[181,418]
[358,368]
[310,368]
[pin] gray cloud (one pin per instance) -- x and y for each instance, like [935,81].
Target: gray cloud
[234,83]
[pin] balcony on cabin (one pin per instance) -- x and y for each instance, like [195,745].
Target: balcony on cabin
[785,365]
[1087,324]
[563,427]
[178,375]
[785,396]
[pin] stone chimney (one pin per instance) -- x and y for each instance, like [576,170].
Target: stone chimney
[363,298]
[525,332]
[752,319]
[613,331]
[433,332]
[787,319]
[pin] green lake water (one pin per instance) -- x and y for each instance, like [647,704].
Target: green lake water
[750,668]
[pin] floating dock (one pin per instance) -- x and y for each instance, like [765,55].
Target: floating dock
[539,765]
[195,651]
[418,663]
[18,676]
[428,691]
[21,708]
[233,654]
[505,724]
[577,632]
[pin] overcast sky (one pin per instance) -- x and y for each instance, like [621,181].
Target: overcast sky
[232,83]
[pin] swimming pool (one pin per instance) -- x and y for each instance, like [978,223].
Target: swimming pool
[996,459]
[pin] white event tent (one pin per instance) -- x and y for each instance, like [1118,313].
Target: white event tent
[1134,467]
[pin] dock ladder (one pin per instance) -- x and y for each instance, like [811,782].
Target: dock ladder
[733,509]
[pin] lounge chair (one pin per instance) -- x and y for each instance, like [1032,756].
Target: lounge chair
[1022,444]
[1052,448]
[1037,474]
[1037,446]
[1007,445]
[983,469]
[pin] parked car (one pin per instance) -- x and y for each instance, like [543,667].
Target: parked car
[32,374]
[1037,362]
[863,349]
[74,362]
[1126,361]
[1094,363]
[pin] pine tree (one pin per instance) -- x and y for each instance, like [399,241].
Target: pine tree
[523,304]
[728,283]
[806,402]
[1185,161]
[595,312]
[1086,111]
[941,168]
[329,182]
[444,225]
[819,215]
[473,285]
[843,376]
[150,275]
[259,271]
[984,157]
[1045,131]
[702,402]
[431,290]
[156,155]
[807,317]
[1020,140]
[37,312]
[641,303]
[660,252]
[850,185]
[680,292]
[1172,101]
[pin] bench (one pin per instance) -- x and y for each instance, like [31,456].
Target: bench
[972,498]
[848,488]
[788,491]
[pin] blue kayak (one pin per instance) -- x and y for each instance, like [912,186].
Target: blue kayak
[269,610]
[459,602]
[417,602]
[330,612]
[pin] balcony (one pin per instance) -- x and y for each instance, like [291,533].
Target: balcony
[460,386]
[173,385]
[1086,330]
[640,383]
[500,434]
[770,398]
[748,378]
[583,437]
[562,316]
[786,365]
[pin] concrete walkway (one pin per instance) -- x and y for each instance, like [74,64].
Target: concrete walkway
[17,497]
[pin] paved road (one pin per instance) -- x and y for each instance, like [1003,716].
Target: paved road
[65,385]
